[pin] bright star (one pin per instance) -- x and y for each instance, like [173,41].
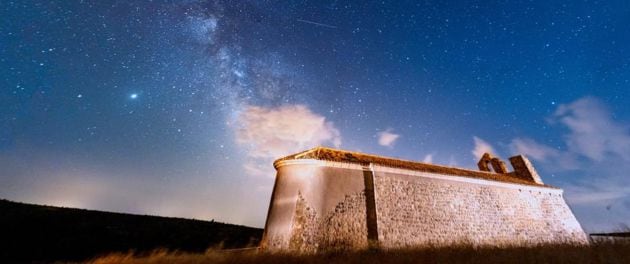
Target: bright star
[133,96]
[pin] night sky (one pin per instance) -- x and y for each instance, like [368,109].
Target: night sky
[178,108]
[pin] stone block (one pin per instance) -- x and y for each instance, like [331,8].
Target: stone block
[524,169]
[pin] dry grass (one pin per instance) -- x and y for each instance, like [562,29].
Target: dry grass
[601,252]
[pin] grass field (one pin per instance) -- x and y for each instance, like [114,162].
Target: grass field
[601,252]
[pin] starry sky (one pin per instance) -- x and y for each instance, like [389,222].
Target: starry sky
[178,108]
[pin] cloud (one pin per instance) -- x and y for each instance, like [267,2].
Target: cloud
[555,159]
[594,161]
[593,132]
[387,138]
[532,149]
[428,158]
[584,195]
[270,133]
[593,136]
[481,147]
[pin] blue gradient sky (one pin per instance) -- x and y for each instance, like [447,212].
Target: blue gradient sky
[178,108]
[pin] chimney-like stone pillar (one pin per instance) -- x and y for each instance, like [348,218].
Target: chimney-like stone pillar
[498,166]
[524,169]
[483,162]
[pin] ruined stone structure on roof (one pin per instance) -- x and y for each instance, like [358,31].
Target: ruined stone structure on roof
[326,199]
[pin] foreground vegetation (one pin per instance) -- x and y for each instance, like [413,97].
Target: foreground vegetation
[601,252]
[33,234]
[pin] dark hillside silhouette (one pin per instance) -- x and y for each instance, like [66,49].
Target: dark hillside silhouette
[46,233]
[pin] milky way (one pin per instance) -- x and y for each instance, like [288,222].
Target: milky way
[178,108]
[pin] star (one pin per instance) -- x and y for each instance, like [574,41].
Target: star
[133,96]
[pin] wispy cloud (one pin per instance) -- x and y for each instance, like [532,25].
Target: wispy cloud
[585,195]
[595,153]
[481,147]
[544,154]
[270,133]
[592,136]
[387,138]
[532,149]
[593,132]
[428,158]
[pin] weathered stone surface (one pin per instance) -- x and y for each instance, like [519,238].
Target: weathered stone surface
[321,205]
[415,210]
[357,158]
[317,207]
[484,162]
[343,228]
[524,169]
[498,166]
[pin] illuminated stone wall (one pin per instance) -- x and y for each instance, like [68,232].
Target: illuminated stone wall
[320,205]
[342,228]
[316,207]
[416,208]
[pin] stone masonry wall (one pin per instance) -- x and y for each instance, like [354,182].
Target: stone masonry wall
[315,207]
[343,228]
[327,206]
[415,210]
